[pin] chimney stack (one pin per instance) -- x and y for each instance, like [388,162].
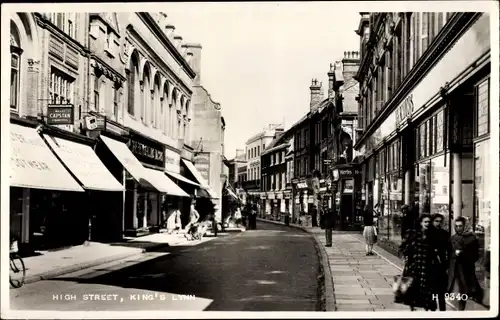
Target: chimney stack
[331,82]
[169,29]
[178,41]
[316,93]
[351,64]
[193,50]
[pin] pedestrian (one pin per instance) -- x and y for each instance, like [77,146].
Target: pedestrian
[329,221]
[443,250]
[462,280]
[407,223]
[369,230]
[253,216]
[194,216]
[420,258]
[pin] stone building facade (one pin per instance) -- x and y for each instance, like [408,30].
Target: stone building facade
[424,127]
[123,84]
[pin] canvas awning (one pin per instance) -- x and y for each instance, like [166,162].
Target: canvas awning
[181,178]
[147,178]
[163,184]
[211,193]
[34,165]
[82,161]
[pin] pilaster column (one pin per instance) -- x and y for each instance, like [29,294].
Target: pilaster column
[135,221]
[457,184]
[407,189]
[25,225]
[145,215]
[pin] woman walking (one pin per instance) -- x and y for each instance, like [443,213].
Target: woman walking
[369,231]
[421,263]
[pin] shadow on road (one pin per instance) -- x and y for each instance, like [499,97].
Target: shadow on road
[264,269]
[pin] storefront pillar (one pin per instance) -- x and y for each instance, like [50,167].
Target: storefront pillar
[135,221]
[25,227]
[407,190]
[145,215]
[457,185]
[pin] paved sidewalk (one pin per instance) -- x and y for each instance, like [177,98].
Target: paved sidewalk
[362,283]
[51,264]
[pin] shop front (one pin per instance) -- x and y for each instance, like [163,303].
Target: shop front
[141,163]
[431,152]
[41,190]
[208,201]
[346,192]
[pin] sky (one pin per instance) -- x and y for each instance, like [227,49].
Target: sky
[258,59]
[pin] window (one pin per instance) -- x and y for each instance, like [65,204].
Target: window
[264,146]
[14,81]
[258,150]
[96,92]
[482,108]
[65,21]
[424,35]
[116,101]
[412,50]
[440,131]
[61,87]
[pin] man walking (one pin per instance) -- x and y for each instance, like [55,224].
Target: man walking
[462,278]
[442,245]
[329,219]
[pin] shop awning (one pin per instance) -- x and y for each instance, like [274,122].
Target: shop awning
[33,165]
[200,179]
[232,194]
[82,161]
[147,178]
[163,184]
[181,178]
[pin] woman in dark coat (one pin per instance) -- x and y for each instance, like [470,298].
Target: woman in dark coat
[462,271]
[421,262]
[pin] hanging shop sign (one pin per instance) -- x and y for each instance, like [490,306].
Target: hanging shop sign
[146,150]
[172,161]
[60,114]
[202,164]
[348,186]
[343,173]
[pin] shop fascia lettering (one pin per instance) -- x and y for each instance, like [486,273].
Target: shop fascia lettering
[405,110]
[142,149]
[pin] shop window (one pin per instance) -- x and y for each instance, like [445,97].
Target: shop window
[440,131]
[483,186]
[440,188]
[14,81]
[60,87]
[482,109]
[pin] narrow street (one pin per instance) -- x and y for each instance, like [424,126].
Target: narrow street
[273,268]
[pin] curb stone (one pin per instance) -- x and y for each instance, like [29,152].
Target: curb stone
[328,296]
[88,264]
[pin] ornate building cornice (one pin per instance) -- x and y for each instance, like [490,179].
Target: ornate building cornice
[451,32]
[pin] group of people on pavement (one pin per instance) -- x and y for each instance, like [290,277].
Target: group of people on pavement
[442,267]
[194,229]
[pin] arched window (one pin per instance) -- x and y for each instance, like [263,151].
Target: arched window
[132,84]
[173,111]
[146,94]
[156,103]
[15,66]
[187,135]
[166,115]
